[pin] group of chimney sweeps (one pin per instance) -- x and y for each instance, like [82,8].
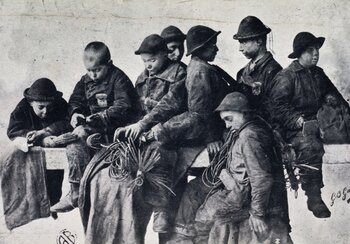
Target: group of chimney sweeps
[197,106]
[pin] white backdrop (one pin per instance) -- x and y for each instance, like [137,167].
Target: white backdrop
[47,37]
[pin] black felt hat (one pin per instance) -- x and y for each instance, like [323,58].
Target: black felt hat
[234,101]
[251,27]
[198,36]
[302,41]
[42,89]
[152,44]
[172,33]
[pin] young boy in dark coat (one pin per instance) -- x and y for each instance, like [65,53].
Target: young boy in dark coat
[255,79]
[299,92]
[37,118]
[103,100]
[159,77]
[174,39]
[198,126]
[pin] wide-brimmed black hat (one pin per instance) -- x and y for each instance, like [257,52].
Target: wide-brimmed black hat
[198,36]
[251,27]
[234,101]
[302,41]
[152,44]
[172,33]
[42,89]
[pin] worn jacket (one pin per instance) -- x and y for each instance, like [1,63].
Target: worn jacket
[206,85]
[121,97]
[151,89]
[263,71]
[299,91]
[23,119]
[253,164]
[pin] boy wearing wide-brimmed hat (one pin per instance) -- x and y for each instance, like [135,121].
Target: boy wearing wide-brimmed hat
[255,79]
[298,93]
[40,116]
[199,127]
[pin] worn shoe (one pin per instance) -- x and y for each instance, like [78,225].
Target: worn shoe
[66,204]
[316,205]
[161,222]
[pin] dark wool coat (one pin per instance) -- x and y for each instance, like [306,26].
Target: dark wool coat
[264,71]
[23,119]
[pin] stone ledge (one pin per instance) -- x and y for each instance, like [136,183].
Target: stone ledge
[334,154]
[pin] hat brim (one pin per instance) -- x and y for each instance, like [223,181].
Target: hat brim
[296,54]
[222,108]
[139,52]
[265,32]
[41,98]
[189,52]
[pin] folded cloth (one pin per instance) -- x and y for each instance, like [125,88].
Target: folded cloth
[109,213]
[23,186]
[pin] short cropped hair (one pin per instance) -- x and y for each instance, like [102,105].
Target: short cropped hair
[101,49]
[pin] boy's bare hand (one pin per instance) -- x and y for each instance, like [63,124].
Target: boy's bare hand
[133,131]
[74,119]
[214,147]
[48,141]
[79,131]
[259,226]
[35,135]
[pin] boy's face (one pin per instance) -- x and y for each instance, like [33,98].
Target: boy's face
[177,50]
[233,120]
[310,56]
[209,51]
[41,109]
[154,62]
[95,70]
[249,48]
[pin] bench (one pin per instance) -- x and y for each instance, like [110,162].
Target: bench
[56,158]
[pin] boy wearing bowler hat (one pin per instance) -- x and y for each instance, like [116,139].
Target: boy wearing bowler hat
[255,79]
[298,93]
[40,116]
[103,100]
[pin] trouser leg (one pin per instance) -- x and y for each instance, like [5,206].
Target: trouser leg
[309,151]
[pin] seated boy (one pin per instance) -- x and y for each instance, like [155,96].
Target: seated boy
[160,76]
[174,39]
[102,100]
[39,116]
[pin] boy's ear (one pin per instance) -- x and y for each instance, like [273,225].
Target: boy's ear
[259,41]
[110,61]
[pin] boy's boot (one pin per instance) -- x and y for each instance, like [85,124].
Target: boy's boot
[69,202]
[315,203]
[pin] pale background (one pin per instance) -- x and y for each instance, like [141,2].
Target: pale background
[45,38]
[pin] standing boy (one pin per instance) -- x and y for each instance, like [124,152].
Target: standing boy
[250,203]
